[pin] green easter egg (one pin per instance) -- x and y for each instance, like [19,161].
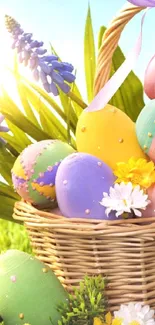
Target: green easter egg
[29,291]
[145,129]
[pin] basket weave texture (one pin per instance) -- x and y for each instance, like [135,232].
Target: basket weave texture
[122,250]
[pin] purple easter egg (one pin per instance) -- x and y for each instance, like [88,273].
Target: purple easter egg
[80,182]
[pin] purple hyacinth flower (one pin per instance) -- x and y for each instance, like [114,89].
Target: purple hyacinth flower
[2,128]
[45,67]
[36,74]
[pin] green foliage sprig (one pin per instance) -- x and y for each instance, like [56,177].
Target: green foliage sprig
[86,302]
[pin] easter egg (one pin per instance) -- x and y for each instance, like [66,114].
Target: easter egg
[150,209]
[30,292]
[145,129]
[108,134]
[80,182]
[34,171]
[149,80]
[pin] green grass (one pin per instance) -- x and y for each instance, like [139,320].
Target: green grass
[13,236]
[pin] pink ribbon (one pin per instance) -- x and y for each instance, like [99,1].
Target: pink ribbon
[113,84]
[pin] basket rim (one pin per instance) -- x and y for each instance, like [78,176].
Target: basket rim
[29,214]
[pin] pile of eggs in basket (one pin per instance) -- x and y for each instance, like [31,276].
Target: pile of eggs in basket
[51,172]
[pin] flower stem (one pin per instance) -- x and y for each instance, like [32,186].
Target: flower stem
[77,100]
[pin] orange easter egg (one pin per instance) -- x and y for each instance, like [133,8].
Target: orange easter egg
[108,134]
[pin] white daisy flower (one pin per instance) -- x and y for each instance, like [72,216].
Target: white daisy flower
[135,314]
[125,198]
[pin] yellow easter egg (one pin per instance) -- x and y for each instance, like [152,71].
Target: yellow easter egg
[108,134]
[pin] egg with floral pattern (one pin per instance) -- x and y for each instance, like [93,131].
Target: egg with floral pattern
[34,171]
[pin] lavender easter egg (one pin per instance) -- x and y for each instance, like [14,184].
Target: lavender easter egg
[80,182]
[145,129]
[34,171]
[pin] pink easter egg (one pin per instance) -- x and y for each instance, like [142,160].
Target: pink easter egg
[149,79]
[150,210]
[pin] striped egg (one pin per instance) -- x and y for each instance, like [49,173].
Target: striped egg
[35,169]
[145,129]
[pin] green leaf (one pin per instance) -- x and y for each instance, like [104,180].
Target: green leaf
[12,141]
[65,101]
[6,207]
[89,56]
[47,97]
[129,97]
[22,95]
[27,107]
[10,110]
[8,191]
[49,121]
[77,108]
[75,89]
[100,36]
[19,135]
[6,163]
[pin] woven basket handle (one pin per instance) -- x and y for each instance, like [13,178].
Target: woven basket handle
[109,44]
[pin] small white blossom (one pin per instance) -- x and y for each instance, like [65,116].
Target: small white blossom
[125,198]
[134,313]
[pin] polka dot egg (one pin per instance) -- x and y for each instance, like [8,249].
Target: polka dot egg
[80,182]
[30,291]
[108,134]
[35,169]
[145,129]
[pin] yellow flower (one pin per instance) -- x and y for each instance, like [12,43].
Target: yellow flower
[97,321]
[108,320]
[117,321]
[137,171]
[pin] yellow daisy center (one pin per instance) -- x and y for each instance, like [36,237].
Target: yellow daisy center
[134,322]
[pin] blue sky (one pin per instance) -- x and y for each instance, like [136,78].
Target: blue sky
[62,23]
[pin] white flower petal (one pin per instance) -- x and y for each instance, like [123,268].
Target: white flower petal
[138,306]
[124,198]
[107,211]
[105,202]
[119,213]
[135,313]
[137,213]
[105,194]
[145,309]
[150,314]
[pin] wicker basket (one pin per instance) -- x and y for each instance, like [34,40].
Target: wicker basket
[122,250]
